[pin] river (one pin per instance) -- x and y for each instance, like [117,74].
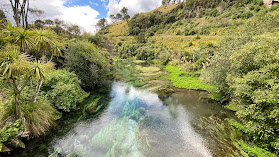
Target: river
[135,123]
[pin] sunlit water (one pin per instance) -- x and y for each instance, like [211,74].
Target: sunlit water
[138,123]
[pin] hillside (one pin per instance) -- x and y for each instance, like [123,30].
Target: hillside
[196,78]
[230,45]
[121,28]
[209,25]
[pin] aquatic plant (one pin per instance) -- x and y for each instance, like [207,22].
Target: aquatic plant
[130,110]
[143,139]
[225,135]
[115,131]
[118,137]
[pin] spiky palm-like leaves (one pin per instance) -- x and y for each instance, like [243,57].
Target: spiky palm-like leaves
[38,71]
[44,40]
[24,38]
[18,70]
[13,63]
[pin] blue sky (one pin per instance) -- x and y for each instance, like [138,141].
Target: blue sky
[98,5]
[84,13]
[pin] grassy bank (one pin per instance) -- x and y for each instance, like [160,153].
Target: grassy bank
[188,80]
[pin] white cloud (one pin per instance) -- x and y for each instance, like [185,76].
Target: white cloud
[134,6]
[84,16]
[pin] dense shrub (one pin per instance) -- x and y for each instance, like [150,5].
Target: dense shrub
[9,136]
[274,7]
[246,15]
[63,90]
[145,53]
[244,69]
[89,63]
[213,12]
[205,30]
[190,4]
[127,50]
[255,2]
[142,22]
[188,31]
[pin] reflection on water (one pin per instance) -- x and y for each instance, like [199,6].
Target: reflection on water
[137,123]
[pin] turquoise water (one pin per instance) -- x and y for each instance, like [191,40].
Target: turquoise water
[136,123]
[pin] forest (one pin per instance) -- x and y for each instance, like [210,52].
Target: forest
[228,48]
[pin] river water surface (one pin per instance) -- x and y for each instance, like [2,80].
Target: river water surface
[136,123]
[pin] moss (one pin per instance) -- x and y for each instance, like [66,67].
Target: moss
[188,80]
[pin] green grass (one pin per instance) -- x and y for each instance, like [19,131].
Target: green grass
[237,125]
[254,150]
[186,80]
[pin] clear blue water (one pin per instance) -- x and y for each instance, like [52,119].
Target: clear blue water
[136,123]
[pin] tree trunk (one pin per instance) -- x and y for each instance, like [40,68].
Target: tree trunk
[17,107]
[40,82]
[15,6]
[26,15]
[20,11]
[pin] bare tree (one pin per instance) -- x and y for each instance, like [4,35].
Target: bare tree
[20,12]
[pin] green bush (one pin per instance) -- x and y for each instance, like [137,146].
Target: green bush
[244,69]
[213,12]
[205,30]
[251,7]
[178,32]
[145,53]
[274,7]
[189,31]
[127,50]
[246,15]
[255,2]
[9,136]
[63,90]
[142,22]
[254,150]
[89,63]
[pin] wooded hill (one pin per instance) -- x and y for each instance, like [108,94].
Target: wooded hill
[230,44]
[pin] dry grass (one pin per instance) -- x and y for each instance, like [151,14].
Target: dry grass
[165,8]
[178,42]
[118,29]
[123,38]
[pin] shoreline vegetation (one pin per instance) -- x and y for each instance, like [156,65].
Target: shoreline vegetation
[226,47]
